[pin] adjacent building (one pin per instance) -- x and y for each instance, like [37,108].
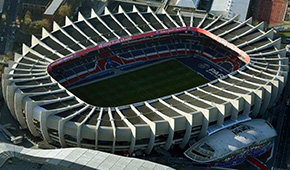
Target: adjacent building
[46,7]
[231,8]
[187,3]
[34,5]
[52,9]
[272,12]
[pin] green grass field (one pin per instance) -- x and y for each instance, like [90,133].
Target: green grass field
[144,84]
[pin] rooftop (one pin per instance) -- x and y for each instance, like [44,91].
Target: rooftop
[69,158]
[187,3]
[54,5]
[232,139]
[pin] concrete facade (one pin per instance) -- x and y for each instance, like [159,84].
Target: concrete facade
[276,16]
[231,8]
[50,111]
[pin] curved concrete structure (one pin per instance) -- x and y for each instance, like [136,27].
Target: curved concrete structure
[252,137]
[73,158]
[50,111]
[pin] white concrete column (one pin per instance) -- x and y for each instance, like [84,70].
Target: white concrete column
[132,128]
[152,126]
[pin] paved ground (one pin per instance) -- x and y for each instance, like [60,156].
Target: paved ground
[282,148]
[6,118]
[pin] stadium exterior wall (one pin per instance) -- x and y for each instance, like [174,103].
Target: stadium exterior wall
[262,91]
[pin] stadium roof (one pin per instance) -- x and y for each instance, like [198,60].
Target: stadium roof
[75,158]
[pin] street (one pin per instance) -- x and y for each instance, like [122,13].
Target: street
[9,26]
[282,142]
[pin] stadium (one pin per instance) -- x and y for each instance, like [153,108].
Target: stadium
[132,80]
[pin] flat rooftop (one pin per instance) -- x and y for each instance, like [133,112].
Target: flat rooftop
[54,5]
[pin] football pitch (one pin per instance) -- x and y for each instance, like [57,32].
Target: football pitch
[147,83]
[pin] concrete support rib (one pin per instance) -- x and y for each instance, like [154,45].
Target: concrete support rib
[94,15]
[235,105]
[266,92]
[44,114]
[107,11]
[142,17]
[132,128]
[19,105]
[213,22]
[69,22]
[61,126]
[32,70]
[274,84]
[154,15]
[266,67]
[18,57]
[45,34]
[205,113]
[26,49]
[189,123]
[121,10]
[223,24]
[29,106]
[171,123]
[79,127]
[8,79]
[114,129]
[181,19]
[32,66]
[97,130]
[10,98]
[248,21]
[281,52]
[57,27]
[35,41]
[276,43]
[202,21]
[221,107]
[268,34]
[257,27]
[170,18]
[257,98]
[152,126]
[19,111]
[82,18]
[277,76]
[191,20]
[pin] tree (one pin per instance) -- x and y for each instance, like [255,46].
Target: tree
[65,10]
[36,26]
[27,18]
[3,17]
[7,57]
